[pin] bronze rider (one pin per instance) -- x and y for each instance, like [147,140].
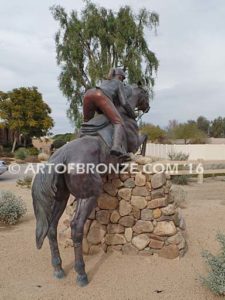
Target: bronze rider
[104,97]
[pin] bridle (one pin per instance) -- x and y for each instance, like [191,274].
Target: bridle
[143,112]
[137,110]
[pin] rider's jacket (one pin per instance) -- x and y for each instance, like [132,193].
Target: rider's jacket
[114,89]
[118,93]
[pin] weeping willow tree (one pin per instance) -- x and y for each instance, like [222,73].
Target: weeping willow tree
[89,43]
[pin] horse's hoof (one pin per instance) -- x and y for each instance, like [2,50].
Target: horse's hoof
[82,280]
[59,274]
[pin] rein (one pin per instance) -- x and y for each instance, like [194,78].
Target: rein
[141,115]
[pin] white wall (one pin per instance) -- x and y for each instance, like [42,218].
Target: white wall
[215,141]
[207,141]
[204,151]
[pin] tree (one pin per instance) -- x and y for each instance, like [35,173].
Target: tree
[191,122]
[188,131]
[154,133]
[203,124]
[90,43]
[61,139]
[170,128]
[217,129]
[24,112]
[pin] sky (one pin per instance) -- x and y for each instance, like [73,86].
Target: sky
[189,44]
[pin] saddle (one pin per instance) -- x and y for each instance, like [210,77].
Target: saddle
[94,125]
[98,126]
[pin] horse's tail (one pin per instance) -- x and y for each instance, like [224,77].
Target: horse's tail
[43,193]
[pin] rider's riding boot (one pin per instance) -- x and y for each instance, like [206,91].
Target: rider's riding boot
[118,138]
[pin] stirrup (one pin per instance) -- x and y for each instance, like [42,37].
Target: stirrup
[126,157]
[120,154]
[116,152]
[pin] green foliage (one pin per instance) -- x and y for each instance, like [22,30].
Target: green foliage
[89,43]
[154,133]
[24,111]
[58,143]
[215,280]
[203,124]
[32,151]
[7,152]
[12,207]
[62,139]
[179,156]
[180,180]
[67,137]
[25,181]
[217,129]
[197,131]
[178,196]
[187,131]
[21,153]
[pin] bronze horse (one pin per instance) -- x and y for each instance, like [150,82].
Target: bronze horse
[51,190]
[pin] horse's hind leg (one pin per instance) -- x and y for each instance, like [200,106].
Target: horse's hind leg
[58,210]
[83,210]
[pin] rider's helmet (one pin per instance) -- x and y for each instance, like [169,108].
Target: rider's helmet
[116,72]
[119,71]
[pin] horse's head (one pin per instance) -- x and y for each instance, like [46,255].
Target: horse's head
[142,98]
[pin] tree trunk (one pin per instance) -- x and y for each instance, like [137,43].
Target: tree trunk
[24,141]
[7,140]
[14,144]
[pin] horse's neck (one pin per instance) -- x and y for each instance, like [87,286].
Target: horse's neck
[133,101]
[131,130]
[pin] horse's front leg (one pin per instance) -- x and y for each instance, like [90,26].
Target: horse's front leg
[143,138]
[83,210]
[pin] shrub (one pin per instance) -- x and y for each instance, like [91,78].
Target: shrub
[21,153]
[62,139]
[178,156]
[25,182]
[154,133]
[7,152]
[32,151]
[215,280]
[179,179]
[43,157]
[178,196]
[12,207]
[58,143]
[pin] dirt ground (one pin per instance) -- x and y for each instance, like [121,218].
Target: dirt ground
[26,273]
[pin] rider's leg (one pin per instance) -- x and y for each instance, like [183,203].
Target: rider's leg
[88,105]
[118,139]
[110,111]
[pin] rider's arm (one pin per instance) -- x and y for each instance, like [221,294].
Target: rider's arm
[123,101]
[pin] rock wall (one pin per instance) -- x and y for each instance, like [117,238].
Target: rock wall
[136,214]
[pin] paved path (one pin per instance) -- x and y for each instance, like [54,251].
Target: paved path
[10,177]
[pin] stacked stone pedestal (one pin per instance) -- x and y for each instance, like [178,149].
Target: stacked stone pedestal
[136,214]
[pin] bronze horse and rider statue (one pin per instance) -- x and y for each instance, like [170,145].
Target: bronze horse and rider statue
[109,133]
